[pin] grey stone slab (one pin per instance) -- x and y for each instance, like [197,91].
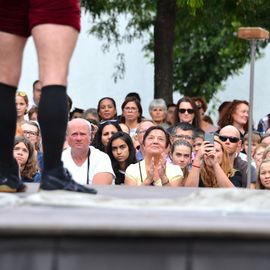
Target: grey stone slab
[54,237]
[55,220]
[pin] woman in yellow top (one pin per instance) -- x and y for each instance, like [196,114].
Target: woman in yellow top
[154,170]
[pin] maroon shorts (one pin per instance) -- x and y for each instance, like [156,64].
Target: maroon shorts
[20,16]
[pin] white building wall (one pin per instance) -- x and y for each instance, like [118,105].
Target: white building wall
[91,76]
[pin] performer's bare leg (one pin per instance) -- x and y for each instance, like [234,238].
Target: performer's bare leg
[11,51]
[55,45]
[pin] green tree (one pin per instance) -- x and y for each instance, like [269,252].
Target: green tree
[193,44]
[207,50]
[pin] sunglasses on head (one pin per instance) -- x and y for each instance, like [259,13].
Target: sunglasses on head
[189,111]
[231,139]
[21,93]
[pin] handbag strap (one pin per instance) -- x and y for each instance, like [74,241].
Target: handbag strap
[140,171]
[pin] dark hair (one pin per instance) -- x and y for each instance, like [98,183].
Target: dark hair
[131,157]
[181,142]
[184,143]
[167,135]
[34,83]
[75,110]
[170,105]
[99,103]
[196,119]
[184,126]
[223,105]
[31,166]
[208,119]
[69,102]
[34,109]
[202,101]
[133,95]
[97,139]
[138,104]
[226,118]
[198,133]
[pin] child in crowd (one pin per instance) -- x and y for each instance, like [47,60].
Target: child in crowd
[122,153]
[255,140]
[22,103]
[266,153]
[24,154]
[263,180]
[198,140]
[258,154]
[181,153]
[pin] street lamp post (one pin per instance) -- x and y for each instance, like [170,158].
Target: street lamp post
[252,34]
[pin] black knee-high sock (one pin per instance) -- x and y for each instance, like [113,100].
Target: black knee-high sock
[8,114]
[53,118]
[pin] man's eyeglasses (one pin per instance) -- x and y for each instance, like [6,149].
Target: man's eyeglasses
[183,137]
[189,111]
[30,133]
[231,139]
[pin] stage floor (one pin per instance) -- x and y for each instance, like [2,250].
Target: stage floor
[135,228]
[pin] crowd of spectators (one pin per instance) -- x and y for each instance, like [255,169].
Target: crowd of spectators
[170,148]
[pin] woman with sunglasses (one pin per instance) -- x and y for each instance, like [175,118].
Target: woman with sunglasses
[187,111]
[22,103]
[154,169]
[236,114]
[122,153]
[212,168]
[105,131]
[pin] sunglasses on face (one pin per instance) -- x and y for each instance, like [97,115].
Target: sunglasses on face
[231,139]
[189,111]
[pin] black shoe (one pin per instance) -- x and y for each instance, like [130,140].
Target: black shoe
[10,180]
[60,178]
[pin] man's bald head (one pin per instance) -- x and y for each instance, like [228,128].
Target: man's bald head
[231,131]
[79,122]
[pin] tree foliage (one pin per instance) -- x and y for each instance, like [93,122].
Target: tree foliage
[206,49]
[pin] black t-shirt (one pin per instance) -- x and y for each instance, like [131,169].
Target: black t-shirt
[236,180]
